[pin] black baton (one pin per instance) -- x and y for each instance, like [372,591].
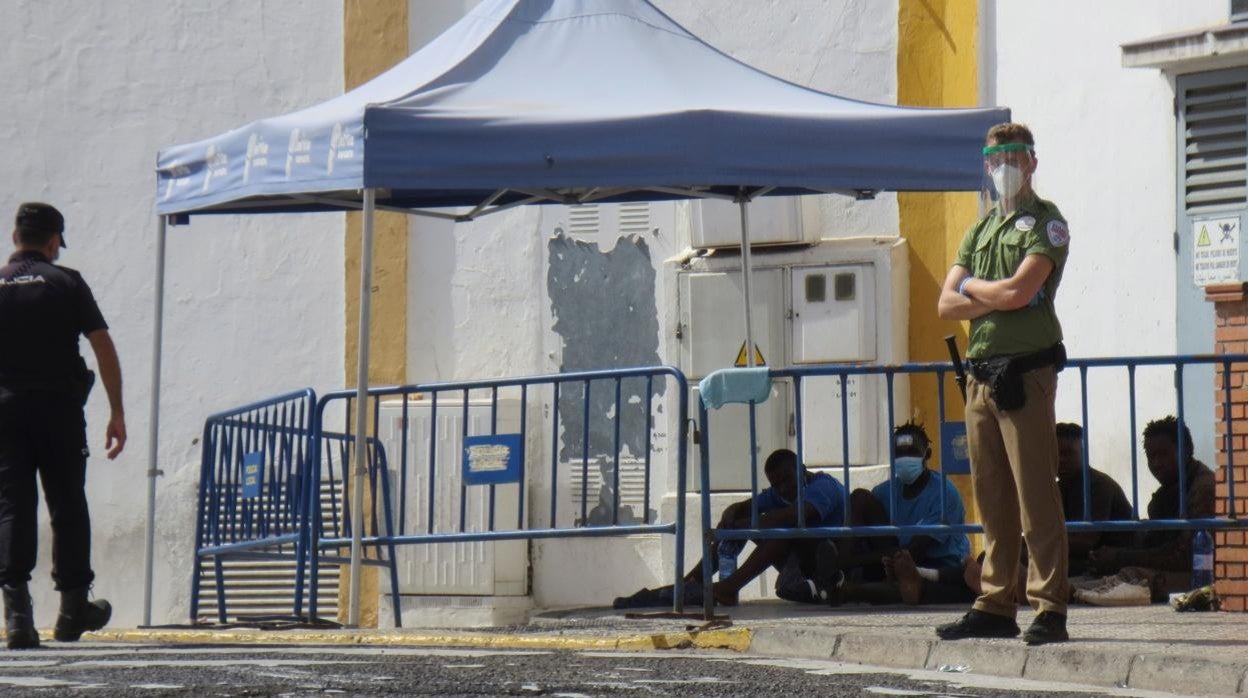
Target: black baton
[958,369]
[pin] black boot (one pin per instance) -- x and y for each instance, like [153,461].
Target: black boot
[78,615]
[19,618]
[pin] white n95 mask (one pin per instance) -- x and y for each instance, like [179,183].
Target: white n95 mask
[1007,180]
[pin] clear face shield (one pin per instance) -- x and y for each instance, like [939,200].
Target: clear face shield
[1008,170]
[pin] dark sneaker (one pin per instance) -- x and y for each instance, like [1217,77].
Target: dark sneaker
[1048,626]
[978,624]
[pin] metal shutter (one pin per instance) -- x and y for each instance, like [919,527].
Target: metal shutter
[1215,148]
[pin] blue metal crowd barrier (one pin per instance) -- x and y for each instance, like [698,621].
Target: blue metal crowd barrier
[570,394]
[942,371]
[252,496]
[330,512]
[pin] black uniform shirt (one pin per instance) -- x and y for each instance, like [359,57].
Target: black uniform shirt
[44,308]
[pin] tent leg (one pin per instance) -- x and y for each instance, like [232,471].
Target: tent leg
[153,434]
[361,409]
[746,272]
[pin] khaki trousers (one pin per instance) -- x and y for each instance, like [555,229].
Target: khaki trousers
[1014,472]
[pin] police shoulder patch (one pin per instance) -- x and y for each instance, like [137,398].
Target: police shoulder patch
[1058,233]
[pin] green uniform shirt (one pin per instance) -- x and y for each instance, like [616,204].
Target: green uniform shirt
[992,250]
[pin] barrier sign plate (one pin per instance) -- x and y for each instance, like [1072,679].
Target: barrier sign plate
[955,458]
[253,474]
[493,460]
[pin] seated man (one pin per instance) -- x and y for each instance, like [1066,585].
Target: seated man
[1107,500]
[1165,551]
[823,498]
[922,568]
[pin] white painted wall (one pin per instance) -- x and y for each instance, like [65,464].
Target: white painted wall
[1105,138]
[846,47]
[253,306]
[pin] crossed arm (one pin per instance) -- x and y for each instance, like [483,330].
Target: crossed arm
[980,296]
[738,516]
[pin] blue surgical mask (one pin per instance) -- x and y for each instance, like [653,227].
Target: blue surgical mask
[909,468]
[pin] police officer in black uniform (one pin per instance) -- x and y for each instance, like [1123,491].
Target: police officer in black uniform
[44,383]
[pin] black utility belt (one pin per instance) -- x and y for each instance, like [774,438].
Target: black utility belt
[1004,374]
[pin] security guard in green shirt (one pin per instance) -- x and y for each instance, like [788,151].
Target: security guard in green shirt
[1004,281]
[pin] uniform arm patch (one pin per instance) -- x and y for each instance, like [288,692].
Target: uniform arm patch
[1059,234]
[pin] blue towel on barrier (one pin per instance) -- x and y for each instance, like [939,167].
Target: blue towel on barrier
[735,385]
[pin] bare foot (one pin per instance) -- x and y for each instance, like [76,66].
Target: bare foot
[724,595]
[908,579]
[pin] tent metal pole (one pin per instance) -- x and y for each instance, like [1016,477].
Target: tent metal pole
[360,470]
[746,272]
[153,433]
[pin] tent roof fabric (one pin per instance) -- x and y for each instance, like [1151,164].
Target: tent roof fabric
[571,99]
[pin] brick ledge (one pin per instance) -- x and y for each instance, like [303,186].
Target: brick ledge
[1225,292]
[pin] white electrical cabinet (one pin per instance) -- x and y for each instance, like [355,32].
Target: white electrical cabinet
[714,317]
[833,314]
[830,304]
[494,568]
[730,439]
[774,220]
[715,324]
[834,322]
[824,431]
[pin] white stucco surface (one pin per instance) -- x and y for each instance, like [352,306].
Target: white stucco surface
[1105,139]
[253,306]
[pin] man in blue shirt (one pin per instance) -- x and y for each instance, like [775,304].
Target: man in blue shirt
[823,499]
[926,568]
[923,496]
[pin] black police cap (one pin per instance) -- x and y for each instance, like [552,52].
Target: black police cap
[38,217]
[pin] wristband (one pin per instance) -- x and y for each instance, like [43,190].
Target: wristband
[962,285]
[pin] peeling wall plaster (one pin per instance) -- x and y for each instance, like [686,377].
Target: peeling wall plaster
[604,312]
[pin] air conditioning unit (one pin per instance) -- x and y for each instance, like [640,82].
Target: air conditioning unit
[774,220]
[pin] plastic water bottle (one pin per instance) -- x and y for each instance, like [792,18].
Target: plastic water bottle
[1202,560]
[728,552]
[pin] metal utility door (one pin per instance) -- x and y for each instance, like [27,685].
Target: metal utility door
[713,334]
[462,569]
[834,322]
[834,314]
[1211,112]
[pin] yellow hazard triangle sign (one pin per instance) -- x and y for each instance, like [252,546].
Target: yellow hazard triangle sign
[742,360]
[1203,240]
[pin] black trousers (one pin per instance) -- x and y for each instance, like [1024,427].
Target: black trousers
[43,433]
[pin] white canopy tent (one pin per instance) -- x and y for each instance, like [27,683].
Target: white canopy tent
[570,102]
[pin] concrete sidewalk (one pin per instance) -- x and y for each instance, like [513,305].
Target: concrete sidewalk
[1151,648]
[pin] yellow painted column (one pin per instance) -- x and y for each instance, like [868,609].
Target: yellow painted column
[937,48]
[374,39]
